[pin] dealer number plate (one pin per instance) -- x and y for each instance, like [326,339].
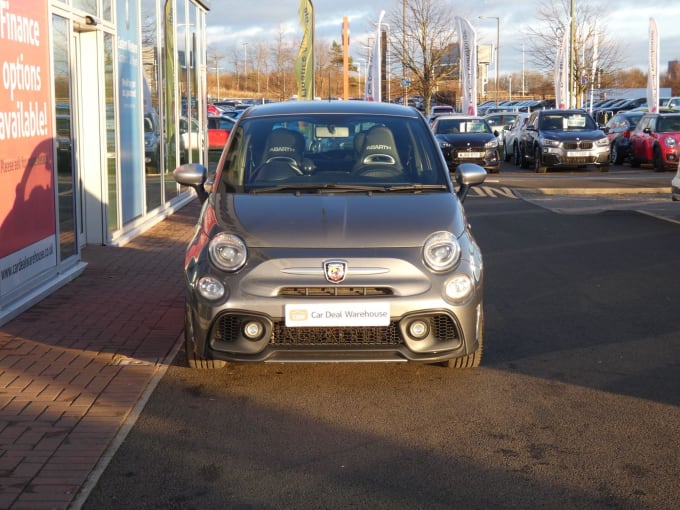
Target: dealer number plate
[462,155]
[337,314]
[578,154]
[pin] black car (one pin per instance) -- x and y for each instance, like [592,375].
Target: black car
[605,114]
[619,129]
[562,138]
[467,139]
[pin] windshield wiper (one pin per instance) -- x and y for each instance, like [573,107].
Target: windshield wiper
[414,187]
[347,188]
[318,188]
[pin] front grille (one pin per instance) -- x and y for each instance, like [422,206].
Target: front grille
[318,292]
[387,335]
[228,328]
[582,145]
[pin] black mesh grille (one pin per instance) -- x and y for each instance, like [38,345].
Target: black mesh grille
[388,335]
[228,327]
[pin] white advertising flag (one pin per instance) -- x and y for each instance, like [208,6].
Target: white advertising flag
[467,40]
[562,72]
[372,91]
[653,74]
[594,71]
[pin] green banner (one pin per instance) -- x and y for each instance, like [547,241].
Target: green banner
[304,66]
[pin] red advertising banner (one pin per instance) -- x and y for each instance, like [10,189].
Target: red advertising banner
[27,211]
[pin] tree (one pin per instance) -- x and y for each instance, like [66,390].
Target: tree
[421,41]
[553,21]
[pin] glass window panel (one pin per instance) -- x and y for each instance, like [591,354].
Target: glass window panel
[171,15]
[152,128]
[65,172]
[111,139]
[86,5]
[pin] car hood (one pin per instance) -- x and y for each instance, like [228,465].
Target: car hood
[338,220]
[595,134]
[470,138]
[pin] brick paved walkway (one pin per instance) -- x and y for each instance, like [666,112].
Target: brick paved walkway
[74,366]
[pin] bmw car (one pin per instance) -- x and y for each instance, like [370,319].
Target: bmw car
[467,139]
[333,231]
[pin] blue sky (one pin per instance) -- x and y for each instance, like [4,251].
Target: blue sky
[230,24]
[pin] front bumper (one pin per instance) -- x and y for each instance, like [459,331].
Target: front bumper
[489,159]
[453,330]
[561,156]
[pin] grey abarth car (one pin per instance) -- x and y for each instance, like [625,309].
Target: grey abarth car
[333,232]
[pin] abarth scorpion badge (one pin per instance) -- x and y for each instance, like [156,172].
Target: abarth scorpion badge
[335,270]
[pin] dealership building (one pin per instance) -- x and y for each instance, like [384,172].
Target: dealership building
[101,100]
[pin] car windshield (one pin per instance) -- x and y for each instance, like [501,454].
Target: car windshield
[567,122]
[331,152]
[455,126]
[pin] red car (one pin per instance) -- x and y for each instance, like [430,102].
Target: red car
[655,140]
[219,128]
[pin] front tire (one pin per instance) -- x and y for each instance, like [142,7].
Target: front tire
[616,158]
[538,162]
[516,157]
[474,359]
[659,165]
[194,360]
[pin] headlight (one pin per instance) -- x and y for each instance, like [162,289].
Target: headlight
[210,288]
[228,252]
[444,145]
[603,142]
[491,144]
[441,251]
[459,288]
[669,141]
[547,142]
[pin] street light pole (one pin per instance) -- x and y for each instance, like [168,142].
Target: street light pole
[498,50]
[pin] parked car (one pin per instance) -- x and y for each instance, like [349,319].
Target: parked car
[190,138]
[655,140]
[501,122]
[563,139]
[152,141]
[357,253]
[670,103]
[442,109]
[511,141]
[605,114]
[618,130]
[219,128]
[467,139]
[675,185]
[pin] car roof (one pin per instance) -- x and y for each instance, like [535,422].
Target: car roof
[459,116]
[553,111]
[308,107]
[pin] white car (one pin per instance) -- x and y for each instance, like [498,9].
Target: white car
[675,185]
[511,141]
[189,139]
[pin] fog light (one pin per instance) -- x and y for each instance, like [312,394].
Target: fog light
[253,330]
[459,288]
[210,288]
[418,329]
